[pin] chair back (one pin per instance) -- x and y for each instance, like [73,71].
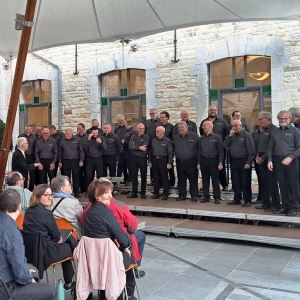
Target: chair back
[64,224]
[20,221]
[5,288]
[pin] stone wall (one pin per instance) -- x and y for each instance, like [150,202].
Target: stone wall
[169,86]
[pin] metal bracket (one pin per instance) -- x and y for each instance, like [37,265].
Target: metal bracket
[28,23]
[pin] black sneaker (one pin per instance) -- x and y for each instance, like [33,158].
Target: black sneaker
[67,288]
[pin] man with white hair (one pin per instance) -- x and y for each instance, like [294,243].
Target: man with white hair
[19,162]
[71,157]
[295,119]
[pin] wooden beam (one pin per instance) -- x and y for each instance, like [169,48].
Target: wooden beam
[16,88]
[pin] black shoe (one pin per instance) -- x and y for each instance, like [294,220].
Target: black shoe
[132,297]
[180,198]
[122,181]
[246,204]
[143,196]
[291,212]
[262,206]
[217,201]
[132,195]
[231,190]
[90,297]
[257,202]
[128,183]
[269,209]
[205,200]
[234,202]
[194,199]
[139,273]
[164,197]
[225,189]
[280,211]
[171,187]
[298,208]
[67,288]
[150,184]
[155,196]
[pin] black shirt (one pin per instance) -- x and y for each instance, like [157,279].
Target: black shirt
[162,148]
[70,149]
[31,139]
[297,124]
[211,146]
[285,142]
[93,148]
[90,130]
[136,142]
[186,147]
[100,223]
[256,135]
[58,137]
[221,127]
[81,137]
[192,126]
[169,130]
[264,139]
[128,133]
[241,145]
[150,127]
[46,149]
[120,132]
[113,143]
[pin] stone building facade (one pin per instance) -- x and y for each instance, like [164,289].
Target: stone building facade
[171,86]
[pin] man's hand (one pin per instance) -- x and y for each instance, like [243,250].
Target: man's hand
[232,132]
[122,141]
[60,241]
[169,166]
[198,167]
[259,160]
[37,164]
[270,166]
[98,140]
[60,165]
[90,136]
[40,167]
[80,164]
[247,166]
[220,167]
[150,165]
[143,148]
[52,167]
[287,161]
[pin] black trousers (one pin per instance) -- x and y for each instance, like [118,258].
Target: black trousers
[268,185]
[288,179]
[93,164]
[46,170]
[171,176]
[70,167]
[259,179]
[209,169]
[30,160]
[160,174]
[222,173]
[139,163]
[122,166]
[82,180]
[110,162]
[241,179]
[187,169]
[127,155]
[32,291]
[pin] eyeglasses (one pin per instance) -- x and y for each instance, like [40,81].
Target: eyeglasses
[212,110]
[48,195]
[283,119]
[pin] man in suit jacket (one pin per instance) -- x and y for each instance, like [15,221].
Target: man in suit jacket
[19,162]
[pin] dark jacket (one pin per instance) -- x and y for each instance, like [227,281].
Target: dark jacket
[20,164]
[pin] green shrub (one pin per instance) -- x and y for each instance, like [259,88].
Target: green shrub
[2,127]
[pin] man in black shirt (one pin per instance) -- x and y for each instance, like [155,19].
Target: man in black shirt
[185,118]
[267,181]
[160,159]
[31,138]
[236,115]
[186,144]
[58,136]
[222,128]
[242,152]
[169,128]
[120,132]
[139,145]
[295,119]
[94,145]
[70,158]
[109,155]
[127,152]
[46,153]
[210,161]
[38,133]
[283,154]
[95,123]
[81,135]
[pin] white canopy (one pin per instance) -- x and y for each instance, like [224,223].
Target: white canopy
[63,22]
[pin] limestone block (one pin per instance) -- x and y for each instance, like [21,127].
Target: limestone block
[53,74]
[202,84]
[280,61]
[135,63]
[236,45]
[198,69]
[107,66]
[94,68]
[149,61]
[32,71]
[150,89]
[25,76]
[94,94]
[152,103]
[42,74]
[280,96]
[276,108]
[255,49]
[121,59]
[92,80]
[92,108]
[277,79]
[217,54]
[152,74]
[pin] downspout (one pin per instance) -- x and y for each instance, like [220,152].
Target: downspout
[59,107]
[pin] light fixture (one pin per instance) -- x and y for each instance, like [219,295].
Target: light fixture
[260,75]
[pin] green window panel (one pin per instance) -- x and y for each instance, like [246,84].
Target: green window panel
[213,94]
[144,99]
[36,99]
[21,107]
[104,101]
[124,92]
[239,83]
[267,91]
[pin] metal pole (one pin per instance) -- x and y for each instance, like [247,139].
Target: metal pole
[16,88]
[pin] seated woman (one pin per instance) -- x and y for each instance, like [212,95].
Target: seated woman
[69,208]
[100,222]
[39,218]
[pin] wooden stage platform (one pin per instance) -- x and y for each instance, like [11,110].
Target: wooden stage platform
[195,219]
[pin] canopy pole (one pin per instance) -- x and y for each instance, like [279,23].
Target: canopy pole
[16,88]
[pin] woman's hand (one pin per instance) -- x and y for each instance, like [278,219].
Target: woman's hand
[128,251]
[60,241]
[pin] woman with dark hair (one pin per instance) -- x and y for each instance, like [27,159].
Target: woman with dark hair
[39,219]
[100,222]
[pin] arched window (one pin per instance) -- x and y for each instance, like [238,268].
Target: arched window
[35,103]
[241,83]
[123,92]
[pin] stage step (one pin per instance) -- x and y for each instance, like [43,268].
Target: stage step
[287,237]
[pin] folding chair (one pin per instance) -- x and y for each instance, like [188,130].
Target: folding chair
[20,221]
[5,288]
[64,224]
